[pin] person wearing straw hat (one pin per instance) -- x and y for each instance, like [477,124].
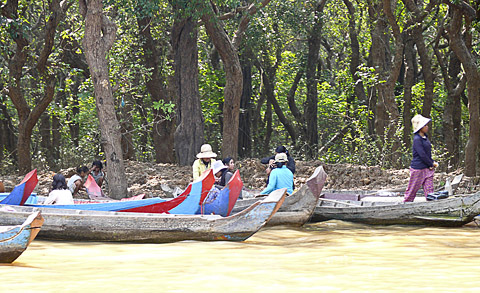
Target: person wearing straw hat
[205,159]
[280,177]
[422,166]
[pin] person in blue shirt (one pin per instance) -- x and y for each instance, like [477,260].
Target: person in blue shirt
[422,166]
[280,177]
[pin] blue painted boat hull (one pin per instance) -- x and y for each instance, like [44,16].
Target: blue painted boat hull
[14,240]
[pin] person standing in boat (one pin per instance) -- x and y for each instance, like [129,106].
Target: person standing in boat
[422,166]
[75,183]
[60,193]
[205,159]
[280,177]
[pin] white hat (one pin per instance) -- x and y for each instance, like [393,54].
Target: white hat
[281,158]
[206,152]
[418,122]
[218,166]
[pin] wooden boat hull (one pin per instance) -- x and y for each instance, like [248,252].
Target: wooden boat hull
[80,225]
[22,191]
[14,240]
[186,203]
[451,212]
[298,207]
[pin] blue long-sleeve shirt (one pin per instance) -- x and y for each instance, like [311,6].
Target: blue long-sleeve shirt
[279,178]
[422,153]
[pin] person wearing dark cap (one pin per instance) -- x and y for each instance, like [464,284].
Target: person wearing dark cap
[270,160]
[422,167]
[280,177]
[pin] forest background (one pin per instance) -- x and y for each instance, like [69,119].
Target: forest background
[152,80]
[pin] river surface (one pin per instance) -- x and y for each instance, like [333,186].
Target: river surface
[324,257]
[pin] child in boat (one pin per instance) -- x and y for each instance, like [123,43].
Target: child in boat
[280,177]
[60,193]
[97,173]
[422,166]
[75,183]
[204,161]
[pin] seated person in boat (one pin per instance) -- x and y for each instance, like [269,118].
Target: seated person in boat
[227,173]
[60,193]
[219,171]
[204,161]
[97,173]
[280,177]
[75,183]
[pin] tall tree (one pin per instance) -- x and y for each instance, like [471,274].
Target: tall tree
[99,37]
[189,134]
[461,45]
[163,130]
[314,40]
[44,80]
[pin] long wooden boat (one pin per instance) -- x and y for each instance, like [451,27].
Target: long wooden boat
[194,200]
[298,207]
[450,212]
[186,203]
[14,240]
[81,225]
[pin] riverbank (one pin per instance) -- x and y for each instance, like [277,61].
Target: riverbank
[153,179]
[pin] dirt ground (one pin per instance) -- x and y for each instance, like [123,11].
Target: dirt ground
[159,179]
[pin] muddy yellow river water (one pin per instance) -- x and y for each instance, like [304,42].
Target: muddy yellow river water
[324,257]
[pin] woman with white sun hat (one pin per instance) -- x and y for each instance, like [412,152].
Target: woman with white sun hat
[422,166]
[205,159]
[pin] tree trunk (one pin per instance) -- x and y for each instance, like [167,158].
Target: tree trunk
[29,117]
[407,93]
[7,136]
[464,54]
[311,103]
[98,39]
[189,135]
[355,57]
[128,147]
[245,124]
[162,129]
[233,81]
[453,109]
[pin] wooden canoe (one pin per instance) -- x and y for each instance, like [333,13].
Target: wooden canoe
[186,203]
[298,207]
[14,240]
[81,225]
[453,211]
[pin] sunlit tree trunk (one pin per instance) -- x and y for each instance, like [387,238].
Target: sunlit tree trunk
[99,37]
